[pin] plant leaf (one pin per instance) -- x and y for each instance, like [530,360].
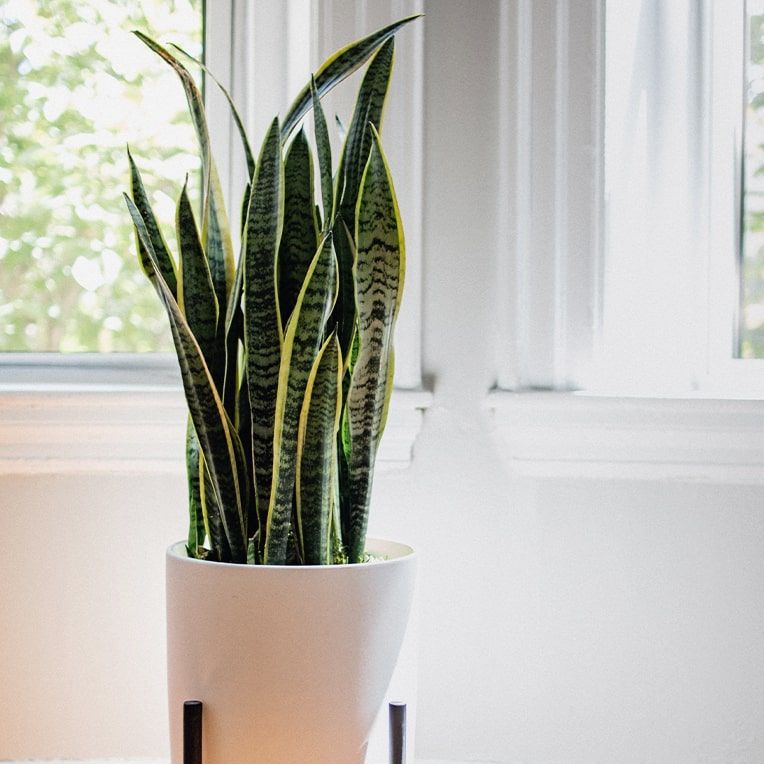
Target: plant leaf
[244,429]
[299,239]
[216,436]
[196,294]
[162,251]
[368,109]
[324,150]
[250,159]
[336,68]
[316,474]
[355,153]
[302,342]
[379,268]
[216,234]
[213,521]
[262,322]
[196,527]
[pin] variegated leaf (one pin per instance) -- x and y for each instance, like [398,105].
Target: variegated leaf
[302,342]
[336,68]
[324,150]
[262,322]
[355,153]
[248,155]
[196,294]
[220,549]
[216,435]
[216,234]
[243,424]
[369,108]
[161,250]
[316,475]
[379,266]
[196,526]
[300,231]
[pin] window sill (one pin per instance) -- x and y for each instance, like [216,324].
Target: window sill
[691,438]
[127,416]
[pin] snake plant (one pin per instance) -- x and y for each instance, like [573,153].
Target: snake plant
[286,352]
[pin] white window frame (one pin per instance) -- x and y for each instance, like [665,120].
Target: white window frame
[702,421]
[725,139]
[126,412]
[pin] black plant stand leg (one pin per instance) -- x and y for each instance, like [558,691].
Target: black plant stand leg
[397,733]
[192,732]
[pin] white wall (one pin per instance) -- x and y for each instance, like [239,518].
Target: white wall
[560,619]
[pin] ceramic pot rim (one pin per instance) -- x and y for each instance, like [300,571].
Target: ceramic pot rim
[398,552]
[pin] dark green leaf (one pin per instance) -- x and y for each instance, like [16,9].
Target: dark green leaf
[217,437]
[316,470]
[380,266]
[324,149]
[262,323]
[300,231]
[336,68]
[196,529]
[234,111]
[164,258]
[302,342]
[216,235]
[355,153]
[196,294]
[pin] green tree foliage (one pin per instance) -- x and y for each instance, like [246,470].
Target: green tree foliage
[75,87]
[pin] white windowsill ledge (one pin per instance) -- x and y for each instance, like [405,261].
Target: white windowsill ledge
[692,438]
[128,416]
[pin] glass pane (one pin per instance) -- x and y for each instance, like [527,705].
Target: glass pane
[75,88]
[752,270]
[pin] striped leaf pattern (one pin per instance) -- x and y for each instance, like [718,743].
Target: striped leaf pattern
[216,437]
[213,522]
[324,151]
[299,239]
[216,235]
[368,109]
[316,476]
[355,153]
[302,342]
[196,525]
[336,68]
[243,424]
[164,259]
[262,323]
[196,294]
[286,357]
[379,283]
[248,155]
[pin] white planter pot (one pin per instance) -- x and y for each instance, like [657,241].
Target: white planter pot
[291,663]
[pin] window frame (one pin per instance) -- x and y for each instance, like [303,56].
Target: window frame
[556,266]
[725,130]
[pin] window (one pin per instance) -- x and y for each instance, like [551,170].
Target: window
[75,86]
[683,277]
[751,322]
[621,195]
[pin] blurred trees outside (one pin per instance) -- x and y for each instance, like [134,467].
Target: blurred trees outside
[75,87]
